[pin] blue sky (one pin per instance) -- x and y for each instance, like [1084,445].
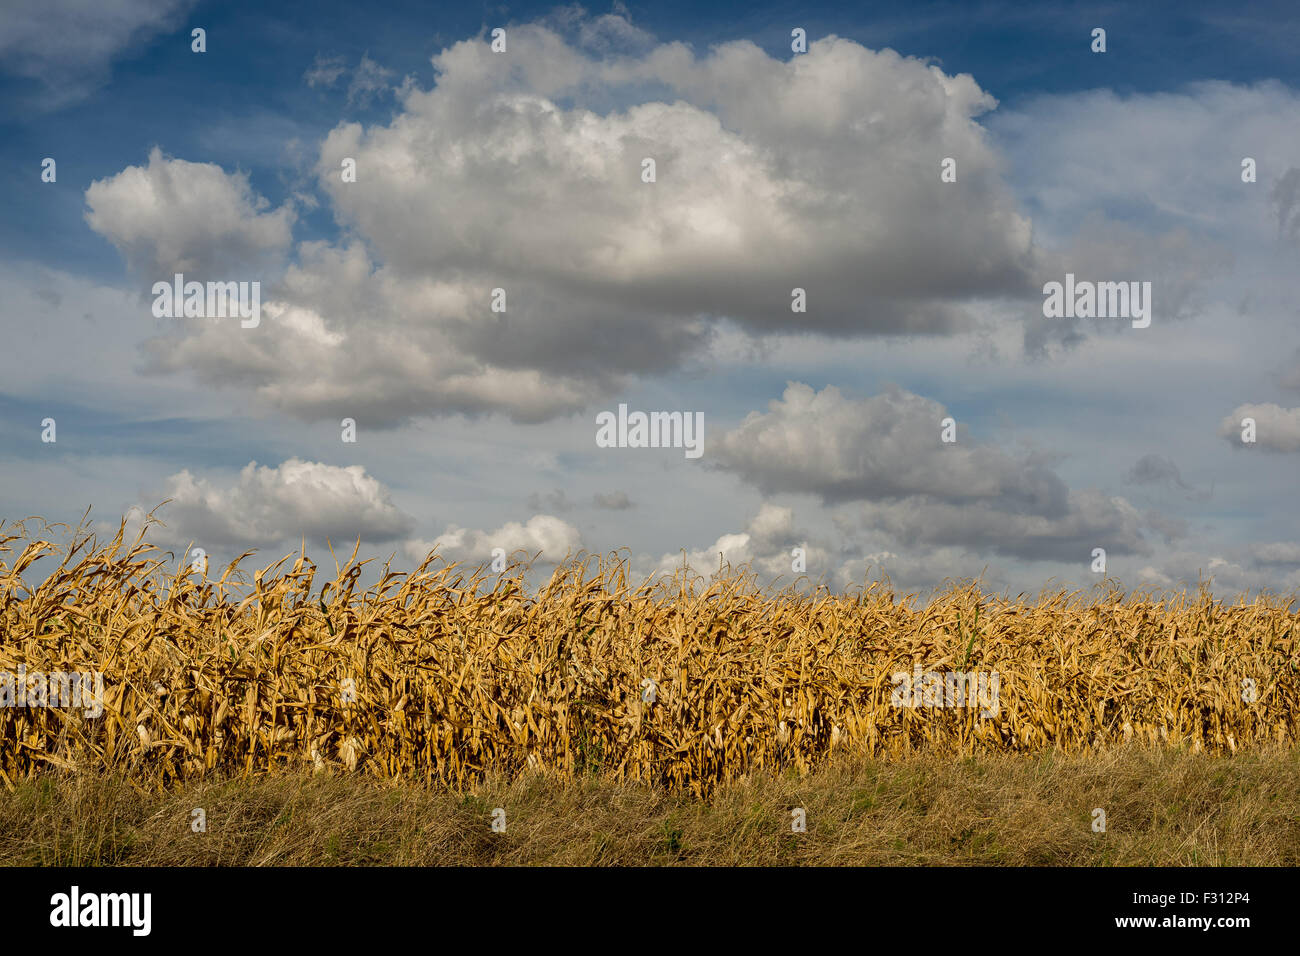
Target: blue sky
[476,431]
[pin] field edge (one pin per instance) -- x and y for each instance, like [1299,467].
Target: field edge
[1159,807]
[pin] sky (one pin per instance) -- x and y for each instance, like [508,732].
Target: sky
[840,260]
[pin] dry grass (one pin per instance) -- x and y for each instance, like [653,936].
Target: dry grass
[460,674]
[1164,807]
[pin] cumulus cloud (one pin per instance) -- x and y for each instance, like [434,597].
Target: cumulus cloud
[885,446]
[379,363]
[1088,520]
[1277,429]
[855,559]
[513,173]
[765,546]
[759,184]
[887,451]
[270,505]
[554,537]
[176,216]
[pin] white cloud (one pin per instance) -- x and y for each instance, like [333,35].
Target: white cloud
[885,446]
[887,451]
[343,338]
[554,537]
[764,546]
[760,185]
[176,216]
[267,506]
[486,181]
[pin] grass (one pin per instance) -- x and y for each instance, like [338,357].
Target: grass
[1164,807]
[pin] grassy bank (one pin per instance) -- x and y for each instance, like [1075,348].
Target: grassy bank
[1163,807]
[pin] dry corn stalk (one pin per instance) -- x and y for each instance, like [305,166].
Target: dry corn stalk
[444,674]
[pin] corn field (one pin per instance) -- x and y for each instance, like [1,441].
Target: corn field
[447,673]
